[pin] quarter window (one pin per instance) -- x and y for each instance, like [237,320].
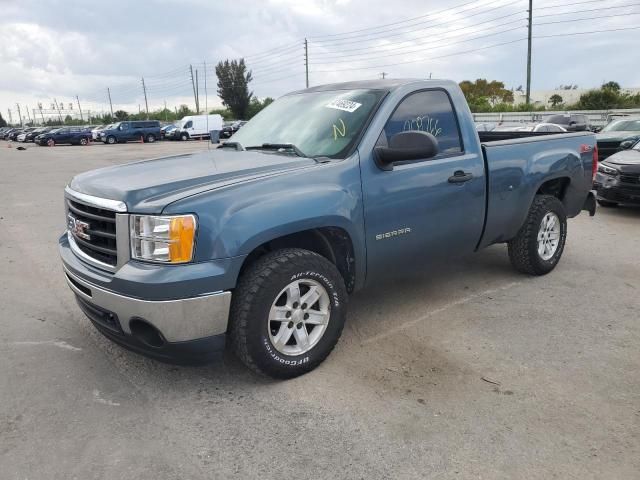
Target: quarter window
[429,111]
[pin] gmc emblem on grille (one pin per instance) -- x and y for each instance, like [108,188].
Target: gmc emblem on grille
[78,227]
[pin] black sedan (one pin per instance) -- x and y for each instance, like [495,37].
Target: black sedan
[69,135]
[618,178]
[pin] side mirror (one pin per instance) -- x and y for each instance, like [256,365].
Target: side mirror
[407,146]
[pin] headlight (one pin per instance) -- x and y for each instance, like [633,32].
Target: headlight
[163,239]
[608,170]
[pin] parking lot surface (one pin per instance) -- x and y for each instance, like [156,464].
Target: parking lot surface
[467,370]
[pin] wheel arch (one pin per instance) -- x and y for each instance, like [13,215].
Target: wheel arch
[331,242]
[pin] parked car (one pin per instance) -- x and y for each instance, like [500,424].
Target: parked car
[12,131]
[485,127]
[534,127]
[618,178]
[34,133]
[166,130]
[264,237]
[14,134]
[196,127]
[64,135]
[23,135]
[229,128]
[618,135]
[134,130]
[572,122]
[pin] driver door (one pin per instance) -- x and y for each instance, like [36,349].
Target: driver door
[419,211]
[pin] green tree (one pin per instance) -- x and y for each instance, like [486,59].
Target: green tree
[256,106]
[3,122]
[555,100]
[233,86]
[613,86]
[482,94]
[120,115]
[224,112]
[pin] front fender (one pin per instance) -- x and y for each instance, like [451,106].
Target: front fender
[234,220]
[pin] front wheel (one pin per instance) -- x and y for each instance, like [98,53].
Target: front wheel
[287,313]
[539,244]
[184,137]
[51,142]
[84,141]
[111,139]
[151,138]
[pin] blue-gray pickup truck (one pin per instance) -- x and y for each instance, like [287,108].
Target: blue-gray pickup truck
[327,190]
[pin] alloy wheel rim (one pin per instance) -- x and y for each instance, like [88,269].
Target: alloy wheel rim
[549,236]
[299,317]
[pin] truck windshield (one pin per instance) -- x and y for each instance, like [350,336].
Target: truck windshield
[623,126]
[319,124]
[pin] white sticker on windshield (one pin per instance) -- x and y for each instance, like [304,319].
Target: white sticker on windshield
[344,105]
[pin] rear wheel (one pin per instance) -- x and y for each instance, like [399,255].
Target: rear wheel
[84,141]
[151,138]
[607,203]
[539,244]
[287,312]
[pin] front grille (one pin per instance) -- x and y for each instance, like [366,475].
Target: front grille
[630,178]
[100,227]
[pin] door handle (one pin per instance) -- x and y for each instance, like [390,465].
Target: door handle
[460,177]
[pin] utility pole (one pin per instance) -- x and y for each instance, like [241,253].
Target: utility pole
[146,103]
[79,108]
[110,104]
[383,75]
[19,114]
[58,108]
[528,98]
[306,60]
[195,96]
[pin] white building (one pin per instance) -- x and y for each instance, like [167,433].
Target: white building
[541,97]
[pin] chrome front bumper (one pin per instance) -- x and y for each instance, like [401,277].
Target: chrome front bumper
[177,320]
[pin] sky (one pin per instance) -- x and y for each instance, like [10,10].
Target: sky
[62,49]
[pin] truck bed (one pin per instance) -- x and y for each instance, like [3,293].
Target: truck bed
[516,164]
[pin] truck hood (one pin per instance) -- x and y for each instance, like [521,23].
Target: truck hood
[150,185]
[616,136]
[625,157]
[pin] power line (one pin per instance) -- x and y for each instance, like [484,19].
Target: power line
[413,43]
[403,22]
[587,11]
[405,31]
[587,33]
[417,51]
[571,20]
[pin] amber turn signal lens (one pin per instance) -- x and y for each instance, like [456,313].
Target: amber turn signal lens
[182,232]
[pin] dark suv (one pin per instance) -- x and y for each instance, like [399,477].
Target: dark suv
[70,135]
[141,130]
[570,121]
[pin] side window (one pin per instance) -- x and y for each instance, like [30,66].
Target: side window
[125,126]
[189,124]
[431,112]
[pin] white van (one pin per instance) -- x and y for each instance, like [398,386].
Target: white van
[196,126]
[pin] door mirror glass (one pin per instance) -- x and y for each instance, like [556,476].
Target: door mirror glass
[407,146]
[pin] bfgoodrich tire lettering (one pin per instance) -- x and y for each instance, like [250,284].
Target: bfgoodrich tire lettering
[524,249]
[259,287]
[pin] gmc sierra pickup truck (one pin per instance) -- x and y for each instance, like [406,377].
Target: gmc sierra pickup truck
[327,190]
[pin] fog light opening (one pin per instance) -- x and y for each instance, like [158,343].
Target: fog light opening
[146,333]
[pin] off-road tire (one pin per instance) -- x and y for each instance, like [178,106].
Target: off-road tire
[258,288]
[607,203]
[523,249]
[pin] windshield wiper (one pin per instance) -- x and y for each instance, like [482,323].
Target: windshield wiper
[279,147]
[234,145]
